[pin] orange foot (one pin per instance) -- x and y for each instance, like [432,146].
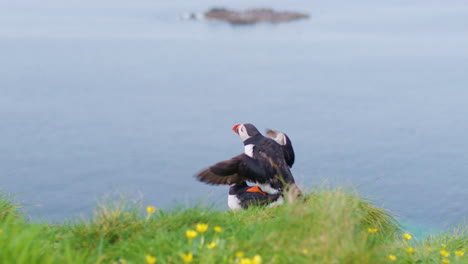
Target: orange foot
[256,189]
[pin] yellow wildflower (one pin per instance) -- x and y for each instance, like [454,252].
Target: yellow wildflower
[429,249]
[239,254]
[218,229]
[444,253]
[150,209]
[191,234]
[460,253]
[150,259]
[372,230]
[407,236]
[410,250]
[187,258]
[257,259]
[391,257]
[211,245]
[245,261]
[305,251]
[445,261]
[202,228]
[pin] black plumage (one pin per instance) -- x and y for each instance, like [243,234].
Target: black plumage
[285,143]
[247,196]
[264,162]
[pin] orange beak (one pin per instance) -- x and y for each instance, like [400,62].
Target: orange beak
[235,128]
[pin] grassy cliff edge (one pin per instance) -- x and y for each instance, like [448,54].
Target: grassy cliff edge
[328,226]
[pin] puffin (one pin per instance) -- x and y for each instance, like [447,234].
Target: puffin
[266,161]
[242,196]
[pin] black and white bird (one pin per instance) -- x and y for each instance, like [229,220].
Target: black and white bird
[242,196]
[265,162]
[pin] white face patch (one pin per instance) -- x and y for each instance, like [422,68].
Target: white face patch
[234,202]
[242,131]
[266,187]
[280,138]
[248,150]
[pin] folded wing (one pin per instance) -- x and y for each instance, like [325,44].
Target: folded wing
[286,145]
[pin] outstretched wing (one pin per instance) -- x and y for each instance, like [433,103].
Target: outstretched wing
[234,171]
[285,143]
[224,172]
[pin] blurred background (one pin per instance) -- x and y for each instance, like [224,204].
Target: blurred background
[107,97]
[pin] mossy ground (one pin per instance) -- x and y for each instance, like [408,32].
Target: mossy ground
[328,226]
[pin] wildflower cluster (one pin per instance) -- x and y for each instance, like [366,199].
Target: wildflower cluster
[150,259]
[257,259]
[407,236]
[190,234]
[206,244]
[187,258]
[150,210]
[194,247]
[444,253]
[200,246]
[391,257]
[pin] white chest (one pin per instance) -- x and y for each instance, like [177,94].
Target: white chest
[233,202]
[248,150]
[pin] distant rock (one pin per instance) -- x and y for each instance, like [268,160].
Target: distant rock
[192,16]
[253,16]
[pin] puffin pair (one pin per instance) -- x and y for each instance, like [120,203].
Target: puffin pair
[266,161]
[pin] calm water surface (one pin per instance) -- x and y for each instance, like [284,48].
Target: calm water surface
[103,97]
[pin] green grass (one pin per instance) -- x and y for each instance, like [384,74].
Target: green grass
[7,207]
[327,226]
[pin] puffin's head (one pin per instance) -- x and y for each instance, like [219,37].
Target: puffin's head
[245,131]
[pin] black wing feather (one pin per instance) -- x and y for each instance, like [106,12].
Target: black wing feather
[288,152]
[253,170]
[235,171]
[224,172]
[248,199]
